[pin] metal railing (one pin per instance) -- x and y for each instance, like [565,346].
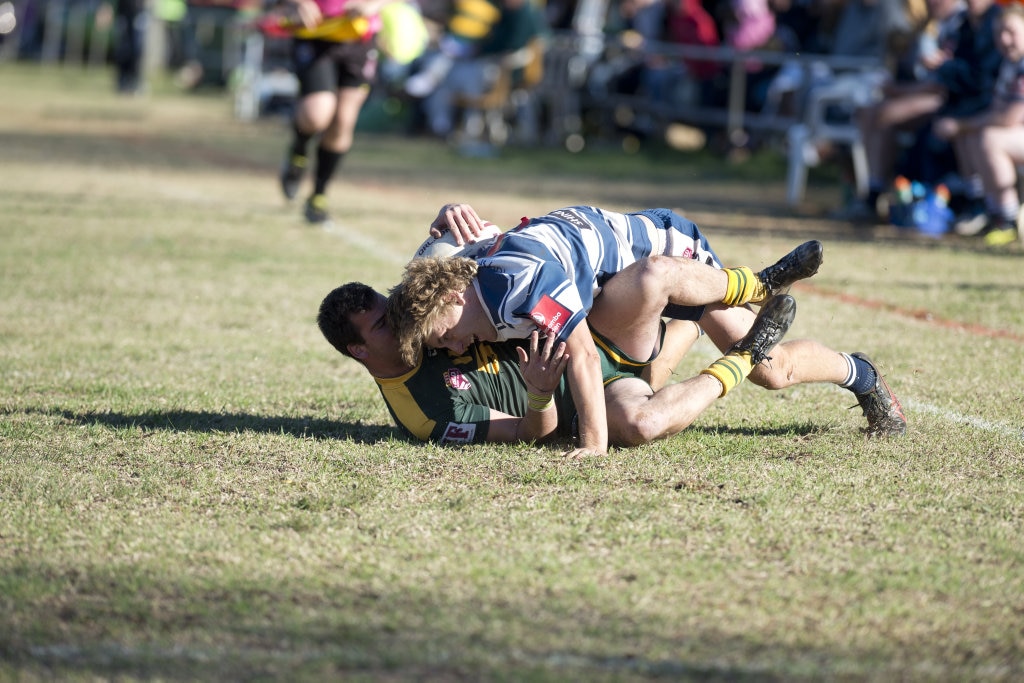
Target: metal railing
[568,90]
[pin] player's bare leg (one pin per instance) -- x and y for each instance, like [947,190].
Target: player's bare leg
[805,360]
[680,336]
[638,294]
[793,362]
[637,414]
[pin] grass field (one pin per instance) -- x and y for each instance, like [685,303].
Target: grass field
[194,485]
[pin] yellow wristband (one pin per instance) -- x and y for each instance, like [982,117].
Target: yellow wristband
[539,402]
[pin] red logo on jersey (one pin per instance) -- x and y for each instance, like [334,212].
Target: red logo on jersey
[457,432]
[687,253]
[456,380]
[549,315]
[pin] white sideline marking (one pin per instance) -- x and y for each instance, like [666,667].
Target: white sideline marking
[366,243]
[976,422]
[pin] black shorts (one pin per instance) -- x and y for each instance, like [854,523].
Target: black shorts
[326,66]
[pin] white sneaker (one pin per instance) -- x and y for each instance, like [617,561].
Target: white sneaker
[969,225]
[426,81]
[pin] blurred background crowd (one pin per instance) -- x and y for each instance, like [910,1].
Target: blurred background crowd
[869,85]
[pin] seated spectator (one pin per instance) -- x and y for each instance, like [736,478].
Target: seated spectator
[800,21]
[688,23]
[870,29]
[633,64]
[957,81]
[636,26]
[991,144]
[466,64]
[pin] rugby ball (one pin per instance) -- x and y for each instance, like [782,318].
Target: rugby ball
[445,244]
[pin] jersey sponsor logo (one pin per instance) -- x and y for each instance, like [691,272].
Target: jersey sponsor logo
[688,253]
[570,217]
[549,315]
[459,432]
[456,380]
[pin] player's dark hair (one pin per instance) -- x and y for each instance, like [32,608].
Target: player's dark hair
[336,311]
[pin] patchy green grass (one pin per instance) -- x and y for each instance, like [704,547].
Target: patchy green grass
[195,485]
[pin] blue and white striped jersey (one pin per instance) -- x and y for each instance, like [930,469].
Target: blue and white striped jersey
[546,273]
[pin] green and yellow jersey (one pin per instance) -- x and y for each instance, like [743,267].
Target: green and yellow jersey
[448,398]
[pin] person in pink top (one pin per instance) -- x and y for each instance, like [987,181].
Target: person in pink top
[753,25]
[335,62]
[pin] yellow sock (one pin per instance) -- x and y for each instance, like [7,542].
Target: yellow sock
[743,287]
[730,370]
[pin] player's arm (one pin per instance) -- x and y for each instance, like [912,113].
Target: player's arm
[536,425]
[454,423]
[432,411]
[539,423]
[542,366]
[587,388]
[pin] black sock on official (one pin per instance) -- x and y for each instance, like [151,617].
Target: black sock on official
[300,141]
[326,162]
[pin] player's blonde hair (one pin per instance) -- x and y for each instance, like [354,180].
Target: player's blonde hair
[415,304]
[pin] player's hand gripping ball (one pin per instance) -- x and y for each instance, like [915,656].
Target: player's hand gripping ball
[445,244]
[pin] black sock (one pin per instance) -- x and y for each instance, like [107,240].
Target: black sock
[326,162]
[861,376]
[300,141]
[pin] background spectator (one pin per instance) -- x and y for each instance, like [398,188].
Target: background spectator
[130,18]
[479,34]
[958,83]
[991,144]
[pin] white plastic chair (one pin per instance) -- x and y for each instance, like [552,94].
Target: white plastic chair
[852,90]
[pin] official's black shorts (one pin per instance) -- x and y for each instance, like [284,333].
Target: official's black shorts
[325,66]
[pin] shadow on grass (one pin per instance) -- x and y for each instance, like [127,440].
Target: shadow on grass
[329,630]
[319,428]
[210,422]
[793,429]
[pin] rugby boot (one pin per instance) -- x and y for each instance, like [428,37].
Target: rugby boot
[798,264]
[770,325]
[881,407]
[291,175]
[316,210]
